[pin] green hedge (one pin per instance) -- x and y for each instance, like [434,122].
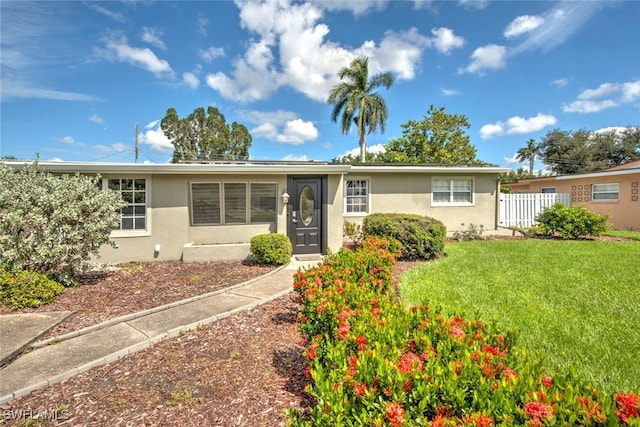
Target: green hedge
[269,248]
[571,222]
[421,237]
[27,289]
[373,362]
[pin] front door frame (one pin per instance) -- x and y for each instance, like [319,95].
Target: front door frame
[323,180]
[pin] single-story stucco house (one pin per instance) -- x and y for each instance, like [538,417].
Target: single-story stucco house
[614,191]
[210,211]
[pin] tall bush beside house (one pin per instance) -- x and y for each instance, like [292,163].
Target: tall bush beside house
[271,248]
[571,222]
[421,237]
[373,362]
[53,224]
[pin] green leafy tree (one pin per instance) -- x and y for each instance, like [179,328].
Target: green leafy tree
[53,224]
[530,152]
[355,100]
[438,138]
[612,147]
[205,136]
[566,152]
[351,159]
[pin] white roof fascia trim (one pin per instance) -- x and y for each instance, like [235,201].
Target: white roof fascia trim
[599,174]
[173,168]
[429,169]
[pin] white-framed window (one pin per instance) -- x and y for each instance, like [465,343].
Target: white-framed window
[452,191]
[548,190]
[133,216]
[609,192]
[356,195]
[215,203]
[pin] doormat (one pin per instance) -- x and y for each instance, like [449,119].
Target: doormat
[312,257]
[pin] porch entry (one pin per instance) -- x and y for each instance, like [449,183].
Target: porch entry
[306,214]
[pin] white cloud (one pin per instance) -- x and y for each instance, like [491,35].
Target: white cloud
[607,95]
[96,119]
[15,90]
[191,80]
[489,57]
[211,53]
[445,40]
[359,7]
[294,158]
[153,36]
[154,137]
[118,49]
[513,160]
[474,4]
[118,17]
[489,131]
[290,50]
[553,27]
[69,140]
[203,23]
[294,132]
[449,92]
[517,126]
[560,82]
[117,147]
[523,24]
[355,152]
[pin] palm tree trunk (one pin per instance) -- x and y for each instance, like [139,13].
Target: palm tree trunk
[363,149]
[531,159]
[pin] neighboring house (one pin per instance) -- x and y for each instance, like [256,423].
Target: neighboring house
[210,211]
[613,191]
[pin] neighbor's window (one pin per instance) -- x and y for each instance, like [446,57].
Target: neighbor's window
[134,193]
[356,196]
[215,204]
[548,190]
[452,191]
[605,191]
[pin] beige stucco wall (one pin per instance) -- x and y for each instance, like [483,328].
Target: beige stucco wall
[169,222]
[411,193]
[169,219]
[335,221]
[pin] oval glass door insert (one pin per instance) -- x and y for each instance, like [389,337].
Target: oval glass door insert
[307,205]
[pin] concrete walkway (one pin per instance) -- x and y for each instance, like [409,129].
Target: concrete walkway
[45,364]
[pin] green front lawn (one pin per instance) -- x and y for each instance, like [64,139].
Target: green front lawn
[577,302]
[627,234]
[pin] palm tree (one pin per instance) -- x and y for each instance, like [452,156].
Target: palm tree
[528,153]
[357,100]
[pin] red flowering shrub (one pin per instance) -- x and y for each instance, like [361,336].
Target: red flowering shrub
[373,362]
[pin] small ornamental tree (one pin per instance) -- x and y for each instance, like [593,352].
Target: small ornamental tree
[53,224]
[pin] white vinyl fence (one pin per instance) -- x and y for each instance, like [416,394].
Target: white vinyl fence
[520,210]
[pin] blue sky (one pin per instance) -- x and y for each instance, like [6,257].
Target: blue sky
[77,76]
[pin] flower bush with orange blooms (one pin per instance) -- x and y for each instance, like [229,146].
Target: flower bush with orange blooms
[374,363]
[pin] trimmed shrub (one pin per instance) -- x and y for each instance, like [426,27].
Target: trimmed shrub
[421,237]
[271,248]
[571,222]
[53,224]
[373,362]
[27,289]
